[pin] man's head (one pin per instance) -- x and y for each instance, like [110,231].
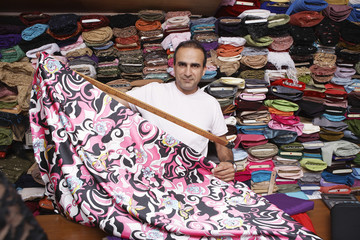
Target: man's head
[189,66]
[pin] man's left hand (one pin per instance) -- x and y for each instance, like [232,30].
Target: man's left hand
[224,171]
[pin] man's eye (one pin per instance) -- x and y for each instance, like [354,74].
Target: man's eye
[181,64]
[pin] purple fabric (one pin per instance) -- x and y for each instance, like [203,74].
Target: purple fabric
[290,205]
[9,40]
[105,166]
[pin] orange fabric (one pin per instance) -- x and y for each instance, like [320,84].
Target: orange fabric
[143,25]
[128,40]
[228,50]
[280,113]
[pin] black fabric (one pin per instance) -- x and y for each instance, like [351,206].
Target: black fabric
[345,222]
[16,220]
[123,20]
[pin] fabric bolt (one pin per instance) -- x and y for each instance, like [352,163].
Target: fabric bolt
[297,127]
[263,151]
[123,20]
[280,136]
[127,158]
[350,32]
[260,176]
[48,48]
[228,26]
[306,5]
[33,31]
[63,24]
[328,32]
[354,15]
[260,42]
[278,20]
[337,13]
[228,50]
[236,9]
[97,36]
[274,7]
[286,93]
[19,75]
[313,164]
[282,105]
[306,18]
[346,179]
[9,40]
[93,21]
[12,54]
[324,59]
[339,148]
[289,172]
[32,18]
[254,167]
[254,62]
[151,15]
[302,35]
[281,43]
[35,43]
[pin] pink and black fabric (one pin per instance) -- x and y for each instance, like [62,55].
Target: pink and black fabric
[105,166]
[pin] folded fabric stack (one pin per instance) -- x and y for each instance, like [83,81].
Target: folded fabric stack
[127,42]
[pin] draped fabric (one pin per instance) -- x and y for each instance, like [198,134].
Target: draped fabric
[105,166]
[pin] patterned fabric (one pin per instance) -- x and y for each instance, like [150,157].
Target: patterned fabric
[105,166]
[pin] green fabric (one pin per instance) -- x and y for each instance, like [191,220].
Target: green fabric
[5,136]
[260,42]
[278,20]
[353,126]
[12,54]
[282,105]
[7,105]
[305,79]
[313,164]
[14,166]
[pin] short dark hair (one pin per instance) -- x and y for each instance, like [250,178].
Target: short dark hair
[191,44]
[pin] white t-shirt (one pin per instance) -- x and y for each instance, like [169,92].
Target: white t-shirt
[199,109]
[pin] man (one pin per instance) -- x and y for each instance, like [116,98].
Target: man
[185,100]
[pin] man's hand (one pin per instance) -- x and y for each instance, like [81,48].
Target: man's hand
[224,171]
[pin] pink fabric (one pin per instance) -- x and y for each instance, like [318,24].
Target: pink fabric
[298,127]
[105,166]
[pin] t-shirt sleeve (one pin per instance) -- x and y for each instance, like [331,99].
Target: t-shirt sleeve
[140,93]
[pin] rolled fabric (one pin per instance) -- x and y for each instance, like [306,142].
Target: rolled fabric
[306,18]
[306,5]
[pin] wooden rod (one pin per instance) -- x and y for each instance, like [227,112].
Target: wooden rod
[158,112]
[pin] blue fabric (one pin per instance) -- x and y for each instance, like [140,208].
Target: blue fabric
[334,118]
[346,179]
[33,31]
[252,129]
[354,14]
[209,75]
[261,176]
[273,7]
[355,83]
[239,154]
[306,5]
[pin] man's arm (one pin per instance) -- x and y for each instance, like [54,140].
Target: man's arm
[122,101]
[225,170]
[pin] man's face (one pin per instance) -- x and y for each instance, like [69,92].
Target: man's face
[189,69]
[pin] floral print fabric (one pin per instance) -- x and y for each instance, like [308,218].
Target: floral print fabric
[104,166]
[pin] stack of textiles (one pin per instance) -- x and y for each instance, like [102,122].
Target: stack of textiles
[127,42]
[300,57]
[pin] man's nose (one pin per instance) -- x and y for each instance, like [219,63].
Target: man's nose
[188,70]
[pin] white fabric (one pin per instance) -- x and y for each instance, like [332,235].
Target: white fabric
[199,109]
[234,41]
[50,48]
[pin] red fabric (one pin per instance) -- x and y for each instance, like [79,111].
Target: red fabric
[304,220]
